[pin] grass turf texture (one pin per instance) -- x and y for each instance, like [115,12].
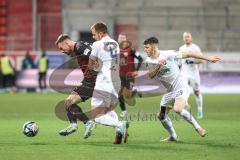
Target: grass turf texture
[221,119]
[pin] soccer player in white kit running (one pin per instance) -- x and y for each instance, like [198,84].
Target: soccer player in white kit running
[163,66]
[104,58]
[190,70]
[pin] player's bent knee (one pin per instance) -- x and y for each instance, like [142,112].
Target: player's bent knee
[70,101]
[161,116]
[178,108]
[67,103]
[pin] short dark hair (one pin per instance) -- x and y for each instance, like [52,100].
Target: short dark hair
[61,38]
[100,27]
[151,40]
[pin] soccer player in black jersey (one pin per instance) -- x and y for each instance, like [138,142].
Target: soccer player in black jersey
[81,50]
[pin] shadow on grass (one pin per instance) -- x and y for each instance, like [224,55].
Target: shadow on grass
[135,146]
[213,144]
[39,144]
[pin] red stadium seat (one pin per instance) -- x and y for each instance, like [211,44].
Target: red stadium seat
[3,3]
[3,30]
[3,11]
[3,21]
[2,39]
[2,48]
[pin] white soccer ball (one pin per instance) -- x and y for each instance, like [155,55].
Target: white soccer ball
[30,129]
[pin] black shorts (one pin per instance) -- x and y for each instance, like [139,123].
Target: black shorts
[85,91]
[127,82]
[8,80]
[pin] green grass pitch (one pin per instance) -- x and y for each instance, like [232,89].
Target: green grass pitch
[221,120]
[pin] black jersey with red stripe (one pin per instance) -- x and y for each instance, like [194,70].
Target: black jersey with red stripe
[83,50]
[127,65]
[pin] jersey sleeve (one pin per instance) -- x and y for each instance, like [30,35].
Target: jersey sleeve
[94,52]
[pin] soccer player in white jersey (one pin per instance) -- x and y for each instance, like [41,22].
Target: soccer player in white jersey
[163,67]
[190,70]
[104,58]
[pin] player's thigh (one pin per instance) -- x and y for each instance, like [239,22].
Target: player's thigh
[104,101]
[194,83]
[85,90]
[100,99]
[179,104]
[167,100]
[114,101]
[181,97]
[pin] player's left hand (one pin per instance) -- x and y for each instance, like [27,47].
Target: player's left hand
[214,58]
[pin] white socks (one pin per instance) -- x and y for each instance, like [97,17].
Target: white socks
[113,114]
[199,102]
[188,117]
[109,119]
[167,124]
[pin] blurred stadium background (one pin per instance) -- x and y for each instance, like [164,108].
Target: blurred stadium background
[33,25]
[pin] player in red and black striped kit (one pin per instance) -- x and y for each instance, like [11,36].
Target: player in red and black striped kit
[128,71]
[81,50]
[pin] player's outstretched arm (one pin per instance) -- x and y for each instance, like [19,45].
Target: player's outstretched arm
[154,71]
[212,59]
[198,61]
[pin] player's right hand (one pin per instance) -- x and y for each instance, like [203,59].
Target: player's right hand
[214,58]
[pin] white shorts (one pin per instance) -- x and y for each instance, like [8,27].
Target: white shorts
[168,99]
[194,83]
[105,98]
